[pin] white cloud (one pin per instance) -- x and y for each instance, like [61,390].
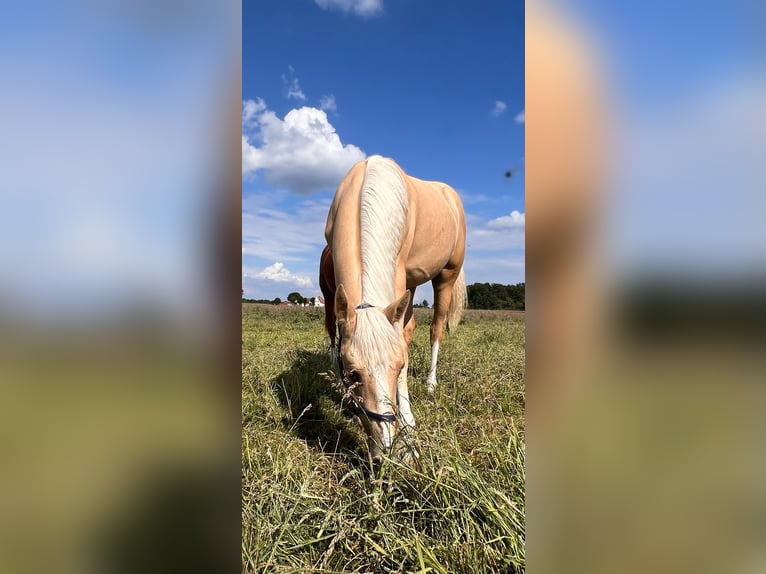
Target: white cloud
[328,103]
[249,157]
[520,117]
[471,198]
[278,227]
[292,86]
[495,239]
[507,269]
[364,8]
[499,108]
[250,111]
[301,153]
[512,221]
[499,234]
[273,233]
[281,274]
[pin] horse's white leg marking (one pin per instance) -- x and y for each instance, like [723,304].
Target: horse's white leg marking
[409,452]
[431,381]
[403,396]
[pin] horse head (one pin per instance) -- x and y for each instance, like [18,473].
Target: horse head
[372,353]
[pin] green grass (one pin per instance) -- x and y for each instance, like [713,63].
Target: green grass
[312,502]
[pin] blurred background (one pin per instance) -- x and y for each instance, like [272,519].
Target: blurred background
[646,286]
[120,285]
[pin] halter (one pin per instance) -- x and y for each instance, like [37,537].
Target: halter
[384,417]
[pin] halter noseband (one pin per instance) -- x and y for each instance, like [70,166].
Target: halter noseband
[384,417]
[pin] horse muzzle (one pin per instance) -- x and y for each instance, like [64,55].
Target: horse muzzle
[382,440]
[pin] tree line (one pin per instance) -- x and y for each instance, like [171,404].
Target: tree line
[480,296]
[294,297]
[496,296]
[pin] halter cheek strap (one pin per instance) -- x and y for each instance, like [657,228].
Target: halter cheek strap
[372,415]
[382,418]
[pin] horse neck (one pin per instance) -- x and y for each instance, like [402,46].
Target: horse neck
[383,221]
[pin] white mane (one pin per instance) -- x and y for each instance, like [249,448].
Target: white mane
[382,214]
[374,342]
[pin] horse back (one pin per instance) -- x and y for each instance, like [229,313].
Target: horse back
[438,240]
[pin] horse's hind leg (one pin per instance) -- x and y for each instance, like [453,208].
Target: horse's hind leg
[329,320]
[443,284]
[327,285]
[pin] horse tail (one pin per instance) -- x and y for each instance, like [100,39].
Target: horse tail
[459,299]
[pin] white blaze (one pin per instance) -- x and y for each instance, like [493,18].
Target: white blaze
[386,436]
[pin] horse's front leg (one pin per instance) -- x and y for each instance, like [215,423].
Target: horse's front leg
[407,420]
[406,449]
[402,392]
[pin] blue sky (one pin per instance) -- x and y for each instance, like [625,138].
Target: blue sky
[438,86]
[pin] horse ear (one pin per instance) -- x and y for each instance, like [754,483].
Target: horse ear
[341,304]
[395,311]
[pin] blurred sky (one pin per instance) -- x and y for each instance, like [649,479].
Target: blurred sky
[437,86]
[110,139]
[687,83]
[113,146]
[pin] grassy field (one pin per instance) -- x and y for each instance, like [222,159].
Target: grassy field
[311,501]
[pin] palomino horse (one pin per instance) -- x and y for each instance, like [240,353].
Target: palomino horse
[387,233]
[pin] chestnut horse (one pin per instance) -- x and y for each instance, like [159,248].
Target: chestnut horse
[327,285]
[387,233]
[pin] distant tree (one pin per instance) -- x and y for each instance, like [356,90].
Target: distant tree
[496,296]
[296,298]
[424,304]
[276,301]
